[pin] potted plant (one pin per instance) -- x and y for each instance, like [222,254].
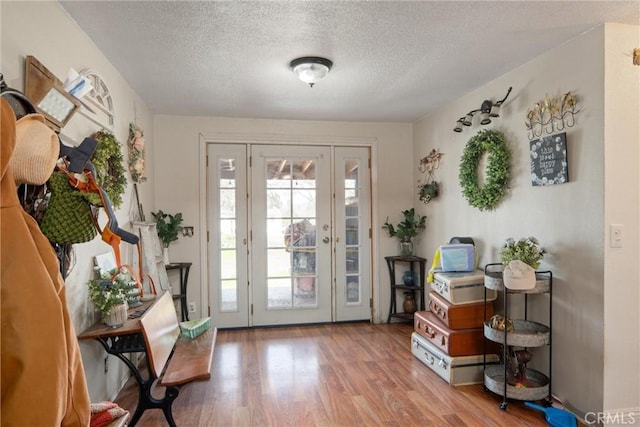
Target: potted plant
[520,260]
[406,230]
[109,294]
[526,250]
[168,227]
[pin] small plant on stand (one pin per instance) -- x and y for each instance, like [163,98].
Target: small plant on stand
[168,227]
[526,250]
[406,230]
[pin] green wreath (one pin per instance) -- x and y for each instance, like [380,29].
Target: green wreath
[497,171]
[109,164]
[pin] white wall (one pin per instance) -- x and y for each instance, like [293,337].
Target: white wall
[178,151]
[44,30]
[622,206]
[595,352]
[568,219]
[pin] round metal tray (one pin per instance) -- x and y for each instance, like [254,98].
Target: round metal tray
[537,389]
[493,280]
[525,333]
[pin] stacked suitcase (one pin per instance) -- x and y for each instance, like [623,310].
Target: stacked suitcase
[449,337]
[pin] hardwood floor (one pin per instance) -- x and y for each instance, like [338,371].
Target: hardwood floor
[328,375]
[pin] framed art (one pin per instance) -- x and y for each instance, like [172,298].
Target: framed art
[549,164]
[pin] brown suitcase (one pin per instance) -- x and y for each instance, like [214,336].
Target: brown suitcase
[462,342]
[459,316]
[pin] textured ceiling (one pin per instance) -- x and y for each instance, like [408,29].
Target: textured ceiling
[393,61]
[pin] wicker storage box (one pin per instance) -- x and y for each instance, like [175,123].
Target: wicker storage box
[193,328]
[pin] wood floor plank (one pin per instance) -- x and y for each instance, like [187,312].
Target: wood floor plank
[354,374]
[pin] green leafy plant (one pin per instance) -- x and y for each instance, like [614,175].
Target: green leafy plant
[496,183]
[109,290]
[526,250]
[168,226]
[408,228]
[109,163]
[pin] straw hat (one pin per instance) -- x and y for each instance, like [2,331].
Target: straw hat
[37,150]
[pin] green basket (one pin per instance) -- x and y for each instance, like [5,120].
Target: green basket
[193,328]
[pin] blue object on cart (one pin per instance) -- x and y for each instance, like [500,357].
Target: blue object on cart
[555,417]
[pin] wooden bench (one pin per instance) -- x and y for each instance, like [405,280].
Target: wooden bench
[173,359]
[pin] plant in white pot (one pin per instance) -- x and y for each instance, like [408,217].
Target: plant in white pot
[526,250]
[168,226]
[520,260]
[109,294]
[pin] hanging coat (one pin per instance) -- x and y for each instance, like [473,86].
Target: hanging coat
[43,382]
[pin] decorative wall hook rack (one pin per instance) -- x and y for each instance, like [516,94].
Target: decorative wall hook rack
[487,110]
[552,115]
[428,186]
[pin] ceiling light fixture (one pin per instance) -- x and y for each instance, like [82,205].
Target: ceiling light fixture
[311,69]
[487,110]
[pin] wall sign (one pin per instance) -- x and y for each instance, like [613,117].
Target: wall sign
[549,163]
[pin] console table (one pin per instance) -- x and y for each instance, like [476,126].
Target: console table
[183,268]
[122,341]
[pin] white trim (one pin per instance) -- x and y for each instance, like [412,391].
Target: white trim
[202,190]
[375,250]
[267,138]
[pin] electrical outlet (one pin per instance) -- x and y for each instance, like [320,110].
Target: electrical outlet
[192,307]
[616,235]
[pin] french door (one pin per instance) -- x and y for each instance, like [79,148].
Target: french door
[289,234]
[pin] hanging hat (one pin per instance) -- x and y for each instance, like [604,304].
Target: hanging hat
[519,276]
[37,150]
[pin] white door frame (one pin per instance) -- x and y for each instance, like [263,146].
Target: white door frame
[259,138]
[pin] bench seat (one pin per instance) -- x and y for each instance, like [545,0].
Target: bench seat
[191,359]
[173,360]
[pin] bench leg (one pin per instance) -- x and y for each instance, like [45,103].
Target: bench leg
[147,401]
[169,396]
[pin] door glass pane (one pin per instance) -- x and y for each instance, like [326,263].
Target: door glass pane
[227,202]
[278,263]
[353,289]
[279,293]
[227,233]
[291,234]
[278,203]
[352,230]
[352,260]
[227,225]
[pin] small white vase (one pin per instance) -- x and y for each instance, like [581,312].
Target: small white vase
[165,255]
[117,316]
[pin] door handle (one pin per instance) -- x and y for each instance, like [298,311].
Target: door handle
[326,240]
